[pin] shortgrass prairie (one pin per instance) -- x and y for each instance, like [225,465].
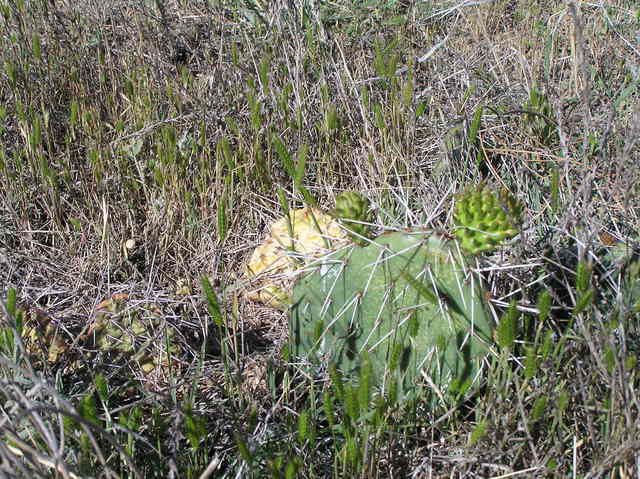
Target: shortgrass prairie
[145,147]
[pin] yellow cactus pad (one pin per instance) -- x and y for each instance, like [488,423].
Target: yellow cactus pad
[293,241]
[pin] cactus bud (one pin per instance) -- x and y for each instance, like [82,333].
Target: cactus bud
[484,220]
[352,211]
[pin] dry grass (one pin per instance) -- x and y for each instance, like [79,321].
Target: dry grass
[161,122]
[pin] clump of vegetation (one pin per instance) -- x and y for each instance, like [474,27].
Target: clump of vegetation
[181,130]
[538,118]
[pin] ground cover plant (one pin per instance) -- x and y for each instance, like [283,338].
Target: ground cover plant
[145,148]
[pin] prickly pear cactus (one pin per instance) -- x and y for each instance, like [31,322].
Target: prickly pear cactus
[352,211]
[484,220]
[292,242]
[132,333]
[42,336]
[407,300]
[118,328]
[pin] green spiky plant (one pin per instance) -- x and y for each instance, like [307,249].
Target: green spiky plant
[352,211]
[484,220]
[407,301]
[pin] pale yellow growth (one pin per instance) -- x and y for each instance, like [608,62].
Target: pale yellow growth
[281,253]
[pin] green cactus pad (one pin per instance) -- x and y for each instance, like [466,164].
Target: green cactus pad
[406,300]
[484,220]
